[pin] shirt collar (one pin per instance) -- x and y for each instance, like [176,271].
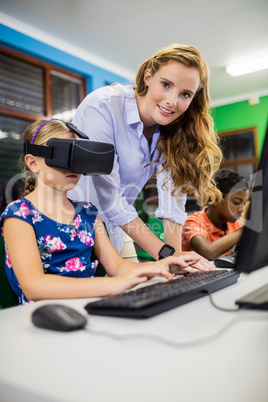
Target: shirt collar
[215,229]
[132,111]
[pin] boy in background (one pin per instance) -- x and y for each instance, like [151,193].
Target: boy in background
[216,229]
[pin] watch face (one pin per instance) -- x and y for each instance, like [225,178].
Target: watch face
[166,250]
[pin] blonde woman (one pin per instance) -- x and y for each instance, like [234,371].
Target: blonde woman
[159,126]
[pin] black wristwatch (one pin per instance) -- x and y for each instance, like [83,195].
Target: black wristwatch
[166,251]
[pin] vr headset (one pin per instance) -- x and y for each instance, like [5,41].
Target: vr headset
[75,155]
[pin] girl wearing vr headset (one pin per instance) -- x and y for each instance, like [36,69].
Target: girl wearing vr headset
[49,238]
[161,127]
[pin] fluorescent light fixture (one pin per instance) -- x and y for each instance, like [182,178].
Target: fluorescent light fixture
[246,67]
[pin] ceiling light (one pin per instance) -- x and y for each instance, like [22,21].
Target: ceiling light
[246,67]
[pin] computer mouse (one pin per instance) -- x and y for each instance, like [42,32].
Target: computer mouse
[225,261]
[58,317]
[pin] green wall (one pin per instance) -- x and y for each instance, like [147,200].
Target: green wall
[242,115]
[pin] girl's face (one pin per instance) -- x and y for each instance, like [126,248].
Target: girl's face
[56,178]
[170,92]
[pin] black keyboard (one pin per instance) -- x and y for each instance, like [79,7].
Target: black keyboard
[154,299]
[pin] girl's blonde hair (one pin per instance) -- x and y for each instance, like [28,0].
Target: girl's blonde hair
[189,144]
[50,129]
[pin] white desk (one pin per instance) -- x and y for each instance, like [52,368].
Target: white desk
[43,366]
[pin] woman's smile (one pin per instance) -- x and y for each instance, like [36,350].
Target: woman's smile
[165,111]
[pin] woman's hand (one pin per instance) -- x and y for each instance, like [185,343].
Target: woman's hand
[180,262]
[192,262]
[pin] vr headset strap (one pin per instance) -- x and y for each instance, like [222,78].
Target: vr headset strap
[74,129]
[38,150]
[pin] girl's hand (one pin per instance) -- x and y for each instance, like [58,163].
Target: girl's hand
[141,274]
[190,262]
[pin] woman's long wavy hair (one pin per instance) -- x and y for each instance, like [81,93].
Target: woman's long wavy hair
[51,129]
[189,145]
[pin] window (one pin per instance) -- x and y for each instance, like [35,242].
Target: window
[66,93]
[22,86]
[240,150]
[31,89]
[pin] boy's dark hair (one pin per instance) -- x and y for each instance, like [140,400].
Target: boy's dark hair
[227,180]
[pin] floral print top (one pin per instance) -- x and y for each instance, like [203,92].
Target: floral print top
[64,249]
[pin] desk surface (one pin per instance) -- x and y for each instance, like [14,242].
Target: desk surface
[220,356]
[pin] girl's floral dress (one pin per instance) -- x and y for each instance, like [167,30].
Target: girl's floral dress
[64,249]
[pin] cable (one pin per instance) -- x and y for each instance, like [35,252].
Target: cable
[166,341]
[218,307]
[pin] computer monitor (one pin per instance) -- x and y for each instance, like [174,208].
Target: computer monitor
[253,246]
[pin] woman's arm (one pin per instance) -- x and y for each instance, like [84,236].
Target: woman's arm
[172,233]
[218,247]
[144,237]
[152,244]
[114,264]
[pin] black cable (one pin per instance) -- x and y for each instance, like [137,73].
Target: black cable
[169,342]
[218,307]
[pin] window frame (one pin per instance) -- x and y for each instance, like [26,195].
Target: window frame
[48,69]
[253,160]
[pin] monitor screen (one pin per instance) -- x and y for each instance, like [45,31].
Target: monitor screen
[253,246]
